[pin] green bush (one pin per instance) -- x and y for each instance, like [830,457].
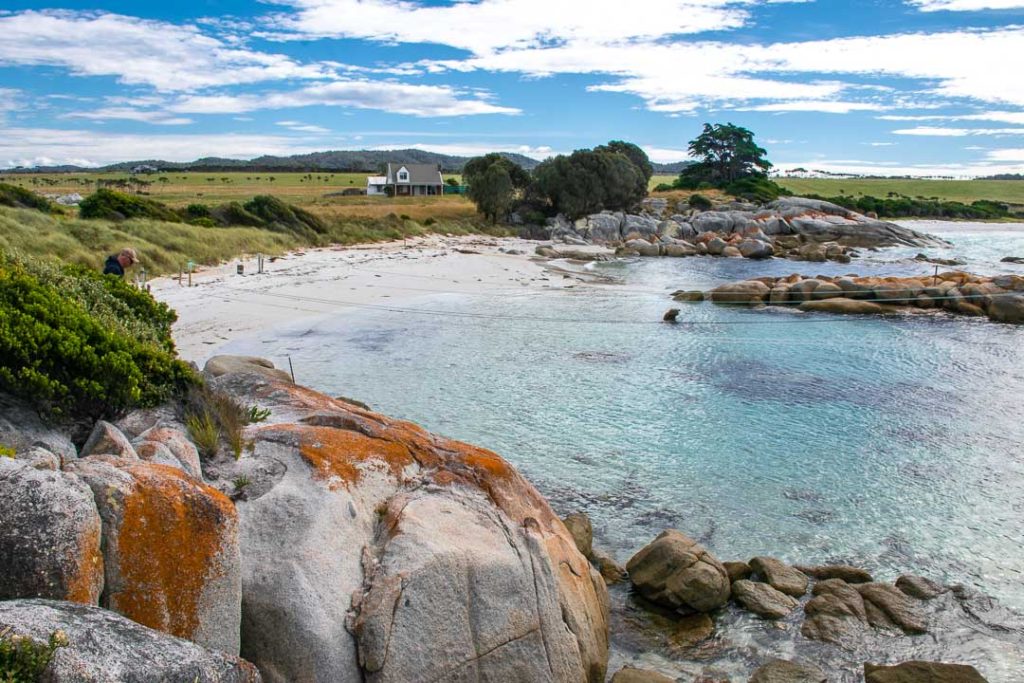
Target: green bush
[663,187]
[277,215]
[23,660]
[20,198]
[233,213]
[700,202]
[117,206]
[755,189]
[194,211]
[83,345]
[202,222]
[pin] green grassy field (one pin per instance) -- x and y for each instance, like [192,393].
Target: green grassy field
[307,190]
[966,191]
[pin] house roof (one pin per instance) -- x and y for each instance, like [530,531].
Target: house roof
[419,174]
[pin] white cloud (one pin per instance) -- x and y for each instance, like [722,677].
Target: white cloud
[934,131]
[966,5]
[299,127]
[666,155]
[395,98]
[21,146]
[879,144]
[493,25]
[127,114]
[823,106]
[1008,155]
[166,56]
[474,148]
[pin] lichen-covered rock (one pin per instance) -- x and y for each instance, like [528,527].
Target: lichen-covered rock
[922,672]
[748,293]
[675,571]
[49,535]
[1007,309]
[782,671]
[223,365]
[22,429]
[391,554]
[179,445]
[826,221]
[105,646]
[157,453]
[106,439]
[170,547]
[780,575]
[762,599]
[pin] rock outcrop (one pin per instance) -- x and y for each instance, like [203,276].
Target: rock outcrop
[373,550]
[762,599]
[783,671]
[223,365]
[629,674]
[22,429]
[104,646]
[780,575]
[170,547]
[49,535]
[677,572]
[1001,298]
[922,672]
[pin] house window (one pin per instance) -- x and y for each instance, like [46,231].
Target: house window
[403,176]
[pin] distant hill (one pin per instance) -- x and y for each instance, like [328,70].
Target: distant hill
[351,161]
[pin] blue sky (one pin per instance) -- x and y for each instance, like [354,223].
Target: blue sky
[881,86]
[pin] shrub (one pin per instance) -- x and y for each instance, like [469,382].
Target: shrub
[663,187]
[233,213]
[405,217]
[23,660]
[20,198]
[193,211]
[276,215]
[80,344]
[429,222]
[700,202]
[117,206]
[755,189]
[203,222]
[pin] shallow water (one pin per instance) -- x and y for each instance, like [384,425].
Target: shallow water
[895,444]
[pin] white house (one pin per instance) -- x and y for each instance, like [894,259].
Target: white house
[407,180]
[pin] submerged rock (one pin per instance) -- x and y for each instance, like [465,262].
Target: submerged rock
[748,293]
[782,671]
[629,674]
[780,575]
[762,599]
[104,646]
[677,572]
[919,587]
[892,607]
[922,672]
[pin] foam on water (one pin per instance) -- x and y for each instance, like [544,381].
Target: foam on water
[895,444]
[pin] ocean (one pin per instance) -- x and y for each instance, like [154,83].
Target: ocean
[892,444]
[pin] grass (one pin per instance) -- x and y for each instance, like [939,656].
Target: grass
[966,191]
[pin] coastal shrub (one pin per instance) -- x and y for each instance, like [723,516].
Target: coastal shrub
[663,187]
[428,222]
[24,660]
[277,215]
[900,206]
[202,222]
[587,182]
[699,202]
[194,211]
[82,345]
[117,206]
[233,213]
[755,189]
[20,198]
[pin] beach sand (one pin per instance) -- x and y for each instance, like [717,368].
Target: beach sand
[222,305]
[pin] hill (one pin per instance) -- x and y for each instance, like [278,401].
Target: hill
[338,160]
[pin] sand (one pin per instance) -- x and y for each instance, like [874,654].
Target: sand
[222,305]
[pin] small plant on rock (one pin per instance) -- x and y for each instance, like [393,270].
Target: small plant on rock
[204,432]
[257,414]
[6,451]
[24,660]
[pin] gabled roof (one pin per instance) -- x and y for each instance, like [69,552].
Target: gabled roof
[419,174]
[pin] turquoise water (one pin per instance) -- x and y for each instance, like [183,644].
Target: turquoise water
[896,445]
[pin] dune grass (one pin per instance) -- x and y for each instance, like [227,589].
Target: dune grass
[163,247]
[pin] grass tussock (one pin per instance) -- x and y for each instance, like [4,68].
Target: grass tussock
[163,247]
[212,415]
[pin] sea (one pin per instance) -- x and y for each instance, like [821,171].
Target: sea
[894,444]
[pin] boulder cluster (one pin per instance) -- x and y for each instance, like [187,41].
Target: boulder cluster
[792,227]
[340,546]
[1000,298]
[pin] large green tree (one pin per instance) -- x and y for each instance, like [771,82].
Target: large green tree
[727,153]
[588,181]
[495,184]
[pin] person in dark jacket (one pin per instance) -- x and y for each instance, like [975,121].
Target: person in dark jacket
[116,263]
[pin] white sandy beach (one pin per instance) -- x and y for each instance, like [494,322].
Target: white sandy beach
[222,305]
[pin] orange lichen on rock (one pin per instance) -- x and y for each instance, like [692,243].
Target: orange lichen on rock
[172,532]
[86,584]
[337,453]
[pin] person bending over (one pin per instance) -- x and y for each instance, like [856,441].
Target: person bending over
[116,263]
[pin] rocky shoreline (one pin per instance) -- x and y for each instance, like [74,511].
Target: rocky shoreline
[1000,298]
[796,228]
[337,544]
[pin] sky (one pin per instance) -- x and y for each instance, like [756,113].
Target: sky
[890,87]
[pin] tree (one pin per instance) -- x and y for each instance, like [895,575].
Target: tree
[633,153]
[495,183]
[727,153]
[589,181]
